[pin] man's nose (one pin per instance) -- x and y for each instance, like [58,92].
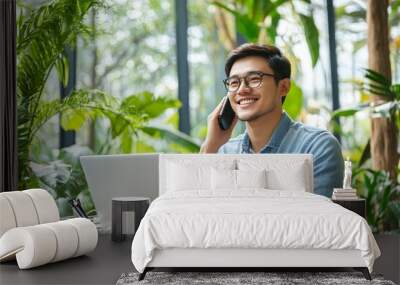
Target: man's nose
[243,87]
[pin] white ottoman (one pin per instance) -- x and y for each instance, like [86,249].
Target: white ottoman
[31,232]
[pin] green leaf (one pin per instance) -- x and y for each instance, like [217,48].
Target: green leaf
[226,8]
[148,104]
[118,124]
[312,37]
[377,77]
[395,88]
[357,45]
[247,28]
[380,88]
[142,147]
[173,136]
[294,101]
[73,119]
[348,112]
[78,7]
[62,67]
[126,141]
[245,25]
[86,201]
[173,120]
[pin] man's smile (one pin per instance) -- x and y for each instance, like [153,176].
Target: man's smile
[245,101]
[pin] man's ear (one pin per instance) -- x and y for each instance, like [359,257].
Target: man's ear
[284,87]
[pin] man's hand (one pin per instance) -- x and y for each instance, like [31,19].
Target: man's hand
[216,137]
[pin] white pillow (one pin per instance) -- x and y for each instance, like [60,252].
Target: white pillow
[182,177]
[236,179]
[281,174]
[251,178]
[193,173]
[223,179]
[279,180]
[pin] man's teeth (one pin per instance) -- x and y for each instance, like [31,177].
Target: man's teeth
[247,101]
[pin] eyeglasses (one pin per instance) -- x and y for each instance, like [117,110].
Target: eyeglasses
[252,79]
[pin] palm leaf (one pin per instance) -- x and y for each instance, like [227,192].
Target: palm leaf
[42,36]
[376,77]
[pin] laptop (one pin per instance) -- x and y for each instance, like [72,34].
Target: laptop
[124,175]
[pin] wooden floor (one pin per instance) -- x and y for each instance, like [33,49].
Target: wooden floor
[102,266]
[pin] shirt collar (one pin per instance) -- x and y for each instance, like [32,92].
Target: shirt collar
[277,136]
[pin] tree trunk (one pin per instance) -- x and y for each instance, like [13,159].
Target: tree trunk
[383,130]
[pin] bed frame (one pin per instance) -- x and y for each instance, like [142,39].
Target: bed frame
[105,172]
[242,259]
[234,259]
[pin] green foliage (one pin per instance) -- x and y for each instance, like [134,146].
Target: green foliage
[377,84]
[42,37]
[127,118]
[382,199]
[251,18]
[294,101]
[312,36]
[382,194]
[348,112]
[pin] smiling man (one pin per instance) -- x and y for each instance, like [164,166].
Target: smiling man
[258,80]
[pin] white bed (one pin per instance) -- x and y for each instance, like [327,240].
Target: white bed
[198,223]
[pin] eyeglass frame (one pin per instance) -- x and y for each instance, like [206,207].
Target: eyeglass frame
[243,78]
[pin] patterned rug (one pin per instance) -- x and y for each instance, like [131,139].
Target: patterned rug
[229,278]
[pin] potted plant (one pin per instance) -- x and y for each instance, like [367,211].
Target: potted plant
[380,188]
[382,197]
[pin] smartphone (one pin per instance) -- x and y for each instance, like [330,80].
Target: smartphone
[226,114]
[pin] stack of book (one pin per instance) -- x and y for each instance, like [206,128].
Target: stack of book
[344,194]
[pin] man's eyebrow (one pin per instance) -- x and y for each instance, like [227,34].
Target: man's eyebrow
[247,73]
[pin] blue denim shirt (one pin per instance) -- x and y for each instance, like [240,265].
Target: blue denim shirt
[294,137]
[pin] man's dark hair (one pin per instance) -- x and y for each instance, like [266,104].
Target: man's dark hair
[279,64]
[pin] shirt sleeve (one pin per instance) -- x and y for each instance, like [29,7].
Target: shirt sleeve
[222,149]
[328,164]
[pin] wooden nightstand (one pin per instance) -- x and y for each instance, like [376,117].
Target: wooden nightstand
[357,206]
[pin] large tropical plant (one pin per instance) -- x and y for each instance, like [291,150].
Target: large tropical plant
[375,83]
[43,35]
[381,189]
[129,118]
[258,21]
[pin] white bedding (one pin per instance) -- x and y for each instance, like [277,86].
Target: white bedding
[251,218]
